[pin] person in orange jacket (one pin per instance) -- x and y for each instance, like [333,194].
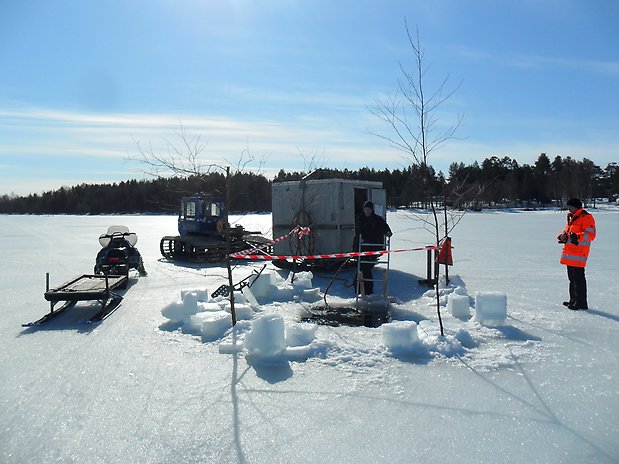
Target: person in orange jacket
[576,239]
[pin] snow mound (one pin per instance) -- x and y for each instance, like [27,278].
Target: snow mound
[465,338]
[266,338]
[181,310]
[268,332]
[447,346]
[270,286]
[300,334]
[405,338]
[198,294]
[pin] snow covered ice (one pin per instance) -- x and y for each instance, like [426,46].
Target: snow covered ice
[165,378]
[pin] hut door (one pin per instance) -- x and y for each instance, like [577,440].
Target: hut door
[379,198]
[361,196]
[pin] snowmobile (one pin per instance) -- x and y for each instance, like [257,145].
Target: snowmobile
[118,253]
[202,229]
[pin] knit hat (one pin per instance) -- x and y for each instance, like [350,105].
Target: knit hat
[575,202]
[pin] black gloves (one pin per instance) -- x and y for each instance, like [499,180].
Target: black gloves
[564,238]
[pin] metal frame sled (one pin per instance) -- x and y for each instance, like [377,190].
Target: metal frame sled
[224,290]
[87,287]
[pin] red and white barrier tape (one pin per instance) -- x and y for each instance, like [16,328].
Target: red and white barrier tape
[329,256]
[300,231]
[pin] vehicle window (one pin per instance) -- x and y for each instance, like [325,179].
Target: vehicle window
[190,209]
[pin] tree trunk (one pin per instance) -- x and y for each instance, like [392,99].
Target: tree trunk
[227,220]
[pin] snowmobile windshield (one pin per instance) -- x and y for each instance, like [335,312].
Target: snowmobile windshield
[130,237]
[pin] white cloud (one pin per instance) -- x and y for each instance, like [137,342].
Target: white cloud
[537,61]
[92,140]
[57,136]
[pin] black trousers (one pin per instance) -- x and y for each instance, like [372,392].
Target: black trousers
[367,275]
[578,286]
[366,271]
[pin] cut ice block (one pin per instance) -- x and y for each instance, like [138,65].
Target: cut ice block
[400,336]
[266,338]
[490,308]
[458,306]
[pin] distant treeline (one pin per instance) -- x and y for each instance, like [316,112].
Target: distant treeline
[251,193]
[494,182]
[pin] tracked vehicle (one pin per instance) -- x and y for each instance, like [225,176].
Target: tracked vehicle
[202,229]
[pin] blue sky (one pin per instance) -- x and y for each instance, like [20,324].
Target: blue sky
[290,81]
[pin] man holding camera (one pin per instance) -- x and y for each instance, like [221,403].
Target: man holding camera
[576,238]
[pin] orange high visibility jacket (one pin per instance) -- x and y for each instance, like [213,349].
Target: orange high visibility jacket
[582,224]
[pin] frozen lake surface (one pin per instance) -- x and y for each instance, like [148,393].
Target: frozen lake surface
[541,387]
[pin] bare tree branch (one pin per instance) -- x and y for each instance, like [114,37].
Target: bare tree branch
[411,117]
[185,159]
